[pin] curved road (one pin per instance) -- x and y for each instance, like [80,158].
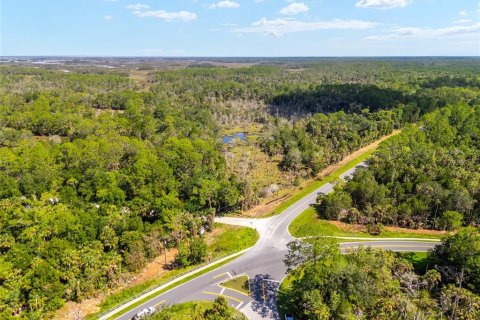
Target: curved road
[263,264]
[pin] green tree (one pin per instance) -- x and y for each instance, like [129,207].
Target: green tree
[450,220]
[458,258]
[219,311]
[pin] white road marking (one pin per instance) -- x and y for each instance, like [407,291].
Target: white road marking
[239,305]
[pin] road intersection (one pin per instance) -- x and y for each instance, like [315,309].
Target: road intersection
[263,264]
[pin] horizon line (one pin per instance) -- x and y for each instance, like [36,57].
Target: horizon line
[229,57]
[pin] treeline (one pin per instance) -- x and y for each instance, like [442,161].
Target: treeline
[377,284]
[427,177]
[313,143]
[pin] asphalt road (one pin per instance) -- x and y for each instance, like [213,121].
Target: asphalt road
[263,264]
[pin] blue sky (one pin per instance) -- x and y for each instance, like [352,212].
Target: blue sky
[240,27]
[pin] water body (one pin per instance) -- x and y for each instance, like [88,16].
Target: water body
[237,135]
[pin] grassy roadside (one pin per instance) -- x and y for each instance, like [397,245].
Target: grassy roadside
[283,305]
[230,239]
[318,183]
[153,295]
[189,310]
[308,225]
[226,240]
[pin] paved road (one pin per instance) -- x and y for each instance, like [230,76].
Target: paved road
[263,264]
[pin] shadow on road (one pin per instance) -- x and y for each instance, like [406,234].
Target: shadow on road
[264,293]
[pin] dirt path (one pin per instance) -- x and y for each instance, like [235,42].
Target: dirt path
[269,204]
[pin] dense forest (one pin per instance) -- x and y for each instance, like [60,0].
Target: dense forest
[100,171]
[378,284]
[426,177]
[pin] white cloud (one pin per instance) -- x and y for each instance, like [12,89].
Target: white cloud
[462,21]
[226,4]
[294,8]
[463,13]
[108,18]
[428,33]
[279,27]
[138,7]
[382,4]
[142,11]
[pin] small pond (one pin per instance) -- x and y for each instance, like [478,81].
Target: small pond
[237,135]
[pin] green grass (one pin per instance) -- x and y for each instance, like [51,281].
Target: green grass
[231,239]
[308,225]
[419,260]
[283,305]
[318,183]
[238,284]
[189,310]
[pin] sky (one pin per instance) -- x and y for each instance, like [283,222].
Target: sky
[235,28]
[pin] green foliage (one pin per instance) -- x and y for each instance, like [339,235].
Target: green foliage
[371,283]
[332,206]
[99,174]
[458,257]
[450,220]
[193,252]
[240,283]
[94,178]
[377,284]
[429,168]
[218,310]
